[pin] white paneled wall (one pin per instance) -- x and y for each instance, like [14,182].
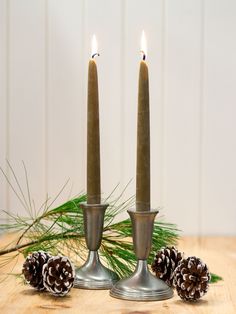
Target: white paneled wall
[26,92]
[44,50]
[65,101]
[3,99]
[182,105]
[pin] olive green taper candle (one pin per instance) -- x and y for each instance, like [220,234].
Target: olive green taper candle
[143,141]
[93,137]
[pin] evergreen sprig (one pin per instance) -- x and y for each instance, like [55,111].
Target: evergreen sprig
[60,230]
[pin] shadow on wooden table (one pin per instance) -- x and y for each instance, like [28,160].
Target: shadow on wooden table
[197,303]
[54,302]
[32,292]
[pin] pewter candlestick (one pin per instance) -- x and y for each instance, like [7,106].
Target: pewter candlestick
[142,285]
[93,275]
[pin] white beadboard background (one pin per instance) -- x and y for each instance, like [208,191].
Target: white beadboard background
[44,50]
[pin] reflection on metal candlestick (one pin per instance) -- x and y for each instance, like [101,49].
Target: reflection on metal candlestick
[93,275]
[142,285]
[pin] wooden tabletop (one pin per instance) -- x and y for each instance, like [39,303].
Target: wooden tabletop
[219,253]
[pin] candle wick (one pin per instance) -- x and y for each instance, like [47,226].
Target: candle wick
[144,55]
[95,54]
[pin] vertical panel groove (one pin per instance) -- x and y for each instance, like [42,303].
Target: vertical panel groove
[201,104]
[7,100]
[163,52]
[46,73]
[122,89]
[83,84]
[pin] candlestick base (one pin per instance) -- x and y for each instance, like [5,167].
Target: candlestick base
[93,275]
[142,285]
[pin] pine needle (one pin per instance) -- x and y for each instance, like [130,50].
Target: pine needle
[215,278]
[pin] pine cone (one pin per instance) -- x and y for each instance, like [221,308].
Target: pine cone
[32,269]
[165,262]
[58,275]
[191,279]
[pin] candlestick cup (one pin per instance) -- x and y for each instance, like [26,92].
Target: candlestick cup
[93,275]
[142,285]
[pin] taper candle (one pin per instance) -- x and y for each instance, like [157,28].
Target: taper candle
[93,136]
[143,136]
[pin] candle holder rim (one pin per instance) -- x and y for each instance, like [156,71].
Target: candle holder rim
[143,212]
[102,205]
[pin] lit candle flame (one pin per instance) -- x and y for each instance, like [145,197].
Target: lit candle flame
[94,47]
[143,45]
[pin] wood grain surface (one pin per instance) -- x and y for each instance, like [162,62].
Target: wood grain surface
[218,252]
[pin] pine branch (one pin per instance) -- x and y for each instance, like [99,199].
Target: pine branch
[65,223]
[17,247]
[61,231]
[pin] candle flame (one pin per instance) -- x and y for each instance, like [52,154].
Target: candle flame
[143,45]
[94,46]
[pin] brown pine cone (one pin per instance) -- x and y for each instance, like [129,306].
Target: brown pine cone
[58,275]
[165,262]
[191,279]
[32,269]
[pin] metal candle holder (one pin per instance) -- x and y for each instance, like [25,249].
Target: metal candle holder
[142,285]
[93,275]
